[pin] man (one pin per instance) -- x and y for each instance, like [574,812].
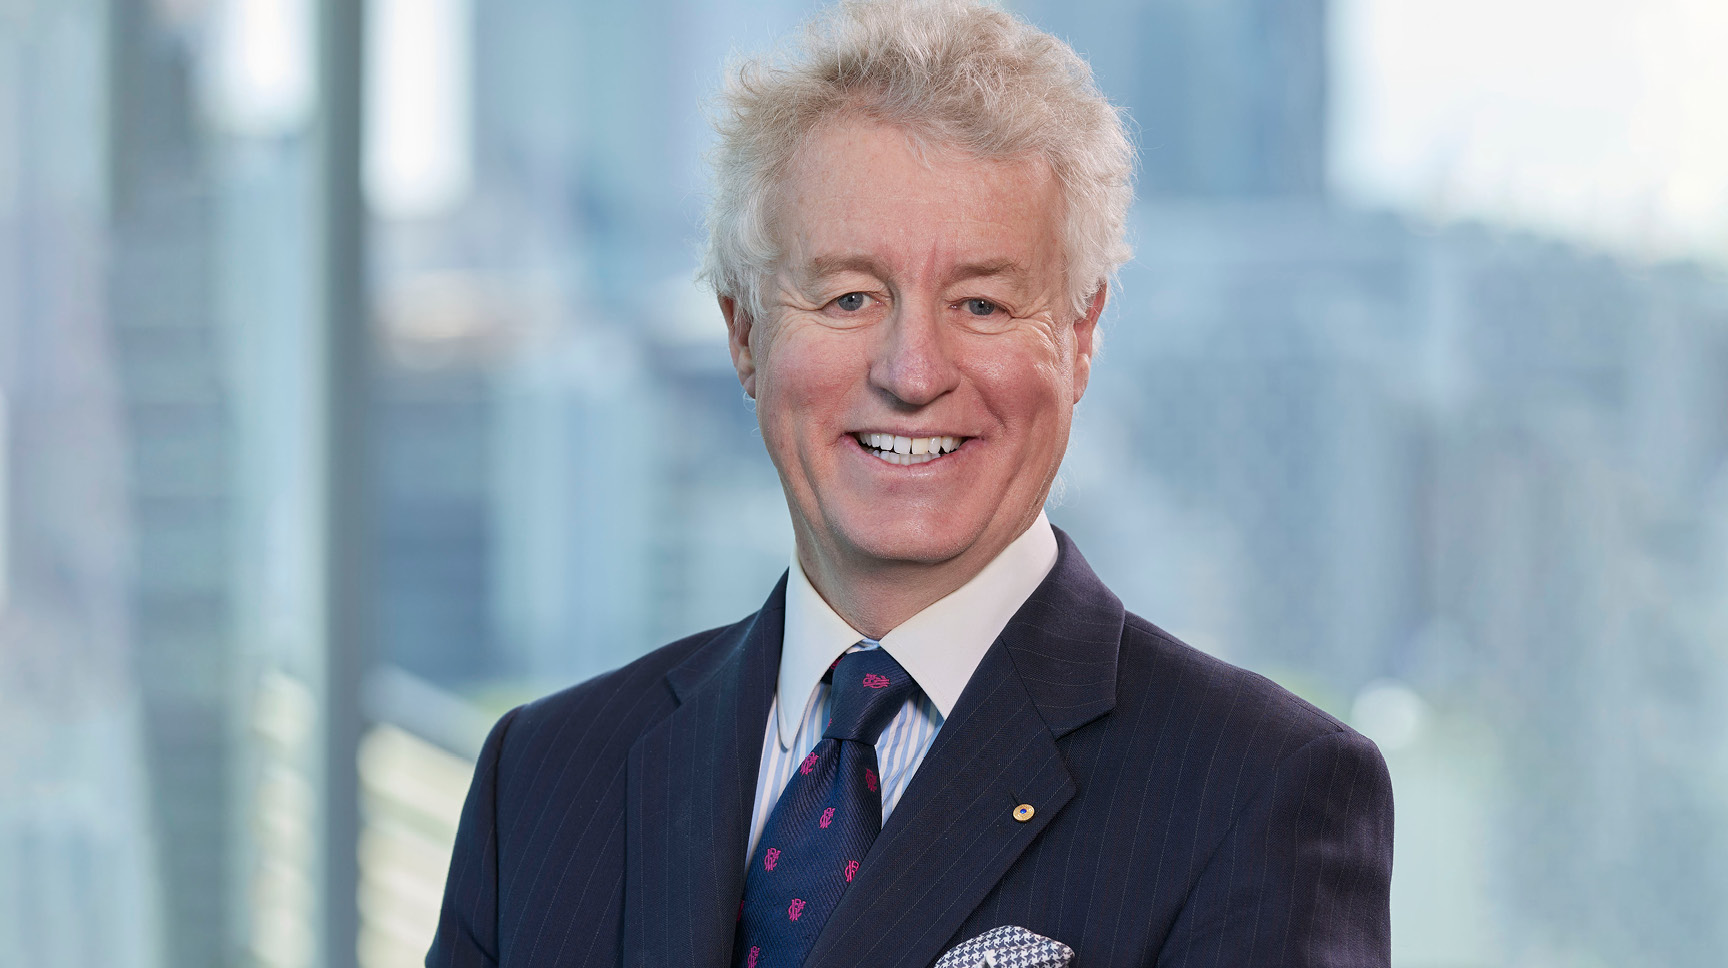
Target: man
[940,723]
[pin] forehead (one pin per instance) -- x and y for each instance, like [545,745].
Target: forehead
[864,187]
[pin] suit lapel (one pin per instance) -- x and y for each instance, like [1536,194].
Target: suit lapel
[954,835]
[692,780]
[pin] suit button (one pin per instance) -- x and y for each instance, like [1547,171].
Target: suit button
[1024,812]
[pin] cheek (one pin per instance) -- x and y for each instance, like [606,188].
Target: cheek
[805,379]
[1029,385]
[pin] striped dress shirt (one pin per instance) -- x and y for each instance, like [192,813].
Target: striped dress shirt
[939,647]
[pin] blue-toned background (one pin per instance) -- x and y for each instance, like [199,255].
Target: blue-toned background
[1415,399]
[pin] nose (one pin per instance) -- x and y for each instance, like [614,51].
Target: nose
[914,362]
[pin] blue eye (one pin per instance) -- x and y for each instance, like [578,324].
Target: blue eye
[980,307]
[851,302]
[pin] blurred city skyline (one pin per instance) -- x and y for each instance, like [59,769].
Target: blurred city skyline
[1406,401]
[1435,109]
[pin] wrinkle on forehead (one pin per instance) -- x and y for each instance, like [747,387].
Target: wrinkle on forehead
[876,217]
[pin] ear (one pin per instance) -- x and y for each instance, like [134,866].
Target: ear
[1086,340]
[738,327]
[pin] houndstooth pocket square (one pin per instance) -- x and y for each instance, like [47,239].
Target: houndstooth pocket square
[1009,946]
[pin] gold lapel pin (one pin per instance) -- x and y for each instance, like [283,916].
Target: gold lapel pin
[1024,812]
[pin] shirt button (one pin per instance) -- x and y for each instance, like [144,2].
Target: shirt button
[1024,812]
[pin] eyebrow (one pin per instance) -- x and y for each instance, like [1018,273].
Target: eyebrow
[822,266]
[999,267]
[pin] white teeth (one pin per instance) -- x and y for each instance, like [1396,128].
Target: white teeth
[904,460]
[905,451]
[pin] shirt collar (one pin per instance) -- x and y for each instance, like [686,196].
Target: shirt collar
[940,646]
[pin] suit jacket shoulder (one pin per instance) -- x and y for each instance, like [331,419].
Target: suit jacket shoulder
[541,832]
[600,715]
[1219,819]
[1222,699]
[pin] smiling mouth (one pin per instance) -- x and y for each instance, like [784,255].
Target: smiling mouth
[908,450]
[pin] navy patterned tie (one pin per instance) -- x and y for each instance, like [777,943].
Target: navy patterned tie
[825,820]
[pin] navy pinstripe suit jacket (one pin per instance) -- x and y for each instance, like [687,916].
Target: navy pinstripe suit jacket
[1187,812]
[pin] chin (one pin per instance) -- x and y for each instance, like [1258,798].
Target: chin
[913,540]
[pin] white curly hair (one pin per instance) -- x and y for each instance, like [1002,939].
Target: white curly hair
[950,72]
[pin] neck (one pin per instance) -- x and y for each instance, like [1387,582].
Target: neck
[876,596]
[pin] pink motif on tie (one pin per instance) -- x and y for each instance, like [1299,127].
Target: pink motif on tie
[755,952]
[808,764]
[874,681]
[827,817]
[795,908]
[851,868]
[771,858]
[870,779]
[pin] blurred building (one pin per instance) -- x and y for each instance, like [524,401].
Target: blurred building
[172,363]
[569,460]
[114,845]
[1228,97]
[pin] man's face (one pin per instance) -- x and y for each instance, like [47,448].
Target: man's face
[921,296]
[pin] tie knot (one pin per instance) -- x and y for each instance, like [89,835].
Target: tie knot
[869,688]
